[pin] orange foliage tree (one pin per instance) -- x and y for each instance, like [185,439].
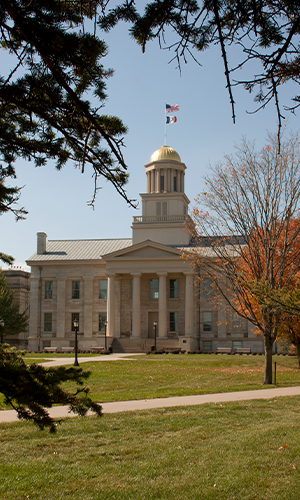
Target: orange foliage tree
[247,231]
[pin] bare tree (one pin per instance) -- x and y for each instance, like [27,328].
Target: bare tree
[247,231]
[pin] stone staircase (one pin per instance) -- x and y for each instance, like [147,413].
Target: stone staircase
[130,345]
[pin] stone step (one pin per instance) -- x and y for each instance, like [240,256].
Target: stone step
[131,345]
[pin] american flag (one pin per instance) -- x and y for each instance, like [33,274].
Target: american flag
[172,108]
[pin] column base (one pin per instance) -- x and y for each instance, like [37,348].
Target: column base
[189,343]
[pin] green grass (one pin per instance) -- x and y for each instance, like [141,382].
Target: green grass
[239,451]
[169,375]
[157,376]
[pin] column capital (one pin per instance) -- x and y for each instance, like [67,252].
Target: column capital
[189,273]
[162,273]
[136,275]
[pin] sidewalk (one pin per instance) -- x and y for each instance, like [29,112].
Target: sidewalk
[149,404]
[85,359]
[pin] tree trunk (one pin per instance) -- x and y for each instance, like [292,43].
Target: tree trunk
[268,359]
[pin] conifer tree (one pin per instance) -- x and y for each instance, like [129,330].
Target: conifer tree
[260,36]
[53,93]
[31,389]
[14,321]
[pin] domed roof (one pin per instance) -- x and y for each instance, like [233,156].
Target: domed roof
[165,153]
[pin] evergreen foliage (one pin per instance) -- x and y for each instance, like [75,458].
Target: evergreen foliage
[52,95]
[262,31]
[14,321]
[31,389]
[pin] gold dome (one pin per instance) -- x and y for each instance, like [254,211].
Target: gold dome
[165,153]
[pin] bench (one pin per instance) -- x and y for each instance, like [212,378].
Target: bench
[224,350]
[50,349]
[243,350]
[67,349]
[170,350]
[97,349]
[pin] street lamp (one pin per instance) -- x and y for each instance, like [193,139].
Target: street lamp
[2,326]
[155,325]
[105,338]
[76,326]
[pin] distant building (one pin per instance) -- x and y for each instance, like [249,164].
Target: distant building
[122,287]
[19,281]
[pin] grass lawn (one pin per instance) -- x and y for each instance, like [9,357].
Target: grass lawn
[156,376]
[239,451]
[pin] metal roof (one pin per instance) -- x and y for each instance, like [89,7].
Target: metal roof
[64,250]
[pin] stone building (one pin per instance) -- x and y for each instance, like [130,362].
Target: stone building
[119,289]
[19,281]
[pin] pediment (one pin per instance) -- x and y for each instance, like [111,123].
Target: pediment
[145,250]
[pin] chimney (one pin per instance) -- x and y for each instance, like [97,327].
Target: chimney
[41,243]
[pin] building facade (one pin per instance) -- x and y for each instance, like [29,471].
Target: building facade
[132,293]
[19,281]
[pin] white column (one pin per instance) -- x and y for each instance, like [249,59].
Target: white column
[88,306]
[111,306]
[61,307]
[152,181]
[136,305]
[169,187]
[189,300]
[148,183]
[157,172]
[162,305]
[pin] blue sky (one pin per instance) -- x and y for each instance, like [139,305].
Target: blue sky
[204,132]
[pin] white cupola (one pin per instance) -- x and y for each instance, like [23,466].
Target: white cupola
[164,205]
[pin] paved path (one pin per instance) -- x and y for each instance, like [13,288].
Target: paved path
[83,359]
[148,404]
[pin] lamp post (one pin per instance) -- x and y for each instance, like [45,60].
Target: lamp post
[2,326]
[76,326]
[154,326]
[105,338]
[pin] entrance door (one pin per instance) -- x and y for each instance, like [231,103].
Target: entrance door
[152,316]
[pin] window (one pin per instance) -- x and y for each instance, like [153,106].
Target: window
[102,289]
[75,289]
[207,345]
[173,321]
[236,323]
[161,208]
[237,344]
[207,288]
[102,321]
[47,322]
[154,289]
[48,289]
[175,184]
[46,343]
[207,321]
[173,289]
[162,183]
[75,316]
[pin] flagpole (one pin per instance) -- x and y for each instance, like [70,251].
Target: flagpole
[165,123]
